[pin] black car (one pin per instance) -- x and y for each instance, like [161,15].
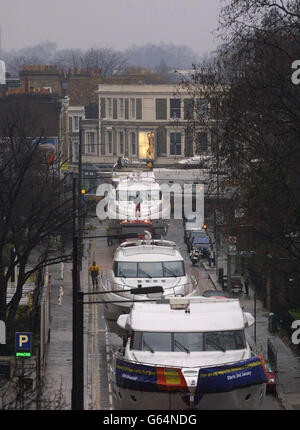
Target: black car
[192,235]
[202,243]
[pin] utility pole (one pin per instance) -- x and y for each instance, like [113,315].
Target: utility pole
[79,190]
[77,341]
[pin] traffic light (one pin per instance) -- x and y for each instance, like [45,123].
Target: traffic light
[83,194]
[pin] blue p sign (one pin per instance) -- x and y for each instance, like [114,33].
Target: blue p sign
[23,341]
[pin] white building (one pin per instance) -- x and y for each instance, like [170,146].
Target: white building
[2,73]
[142,122]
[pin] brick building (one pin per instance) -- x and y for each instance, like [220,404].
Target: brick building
[40,113]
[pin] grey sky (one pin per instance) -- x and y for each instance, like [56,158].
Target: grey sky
[118,24]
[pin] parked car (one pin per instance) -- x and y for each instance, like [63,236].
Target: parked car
[215,294]
[272,379]
[236,286]
[189,233]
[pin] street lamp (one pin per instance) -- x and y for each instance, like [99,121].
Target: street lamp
[78,379]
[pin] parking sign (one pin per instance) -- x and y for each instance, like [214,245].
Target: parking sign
[23,344]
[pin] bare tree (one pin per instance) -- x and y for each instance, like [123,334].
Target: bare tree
[25,391]
[33,204]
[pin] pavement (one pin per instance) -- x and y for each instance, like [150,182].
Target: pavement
[59,352]
[288,363]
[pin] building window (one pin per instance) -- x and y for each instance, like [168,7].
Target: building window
[132,109]
[76,123]
[71,152]
[175,143]
[175,108]
[122,108]
[75,151]
[109,142]
[109,108]
[201,142]
[161,108]
[133,142]
[121,142]
[91,142]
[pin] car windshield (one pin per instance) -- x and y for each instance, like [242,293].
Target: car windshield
[188,342]
[167,269]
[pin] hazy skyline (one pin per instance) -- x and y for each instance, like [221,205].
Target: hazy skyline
[118,24]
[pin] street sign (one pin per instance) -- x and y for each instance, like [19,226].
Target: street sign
[23,344]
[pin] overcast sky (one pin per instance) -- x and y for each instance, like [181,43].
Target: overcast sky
[117,24]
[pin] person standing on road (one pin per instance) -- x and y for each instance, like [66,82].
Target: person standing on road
[94,273]
[246,282]
[109,237]
[211,257]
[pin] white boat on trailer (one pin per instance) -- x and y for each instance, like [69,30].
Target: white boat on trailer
[138,265]
[137,203]
[187,353]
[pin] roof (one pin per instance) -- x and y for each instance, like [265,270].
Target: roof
[206,314]
[148,253]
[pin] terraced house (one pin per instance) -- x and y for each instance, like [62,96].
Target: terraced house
[142,122]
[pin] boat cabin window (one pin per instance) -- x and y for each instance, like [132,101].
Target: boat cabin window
[133,195]
[188,342]
[167,269]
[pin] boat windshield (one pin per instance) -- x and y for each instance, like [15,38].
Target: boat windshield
[166,269]
[189,342]
[133,195]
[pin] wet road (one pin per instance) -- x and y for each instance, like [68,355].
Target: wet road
[101,343]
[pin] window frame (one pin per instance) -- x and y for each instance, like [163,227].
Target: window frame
[91,146]
[133,133]
[121,108]
[175,144]
[175,110]
[109,142]
[109,110]
[132,108]
[121,132]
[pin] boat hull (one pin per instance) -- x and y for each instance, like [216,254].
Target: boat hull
[246,398]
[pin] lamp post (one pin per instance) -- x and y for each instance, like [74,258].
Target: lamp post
[78,379]
[77,339]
